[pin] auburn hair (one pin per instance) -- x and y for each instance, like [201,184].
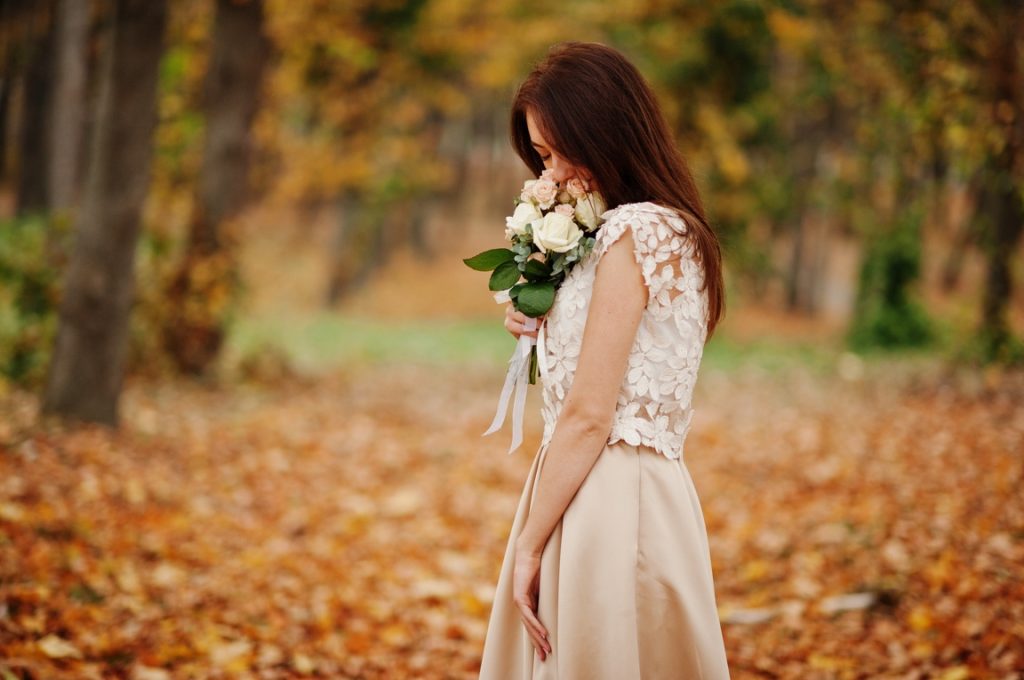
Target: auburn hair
[596,110]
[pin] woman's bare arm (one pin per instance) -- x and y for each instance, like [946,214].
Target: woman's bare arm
[617,303]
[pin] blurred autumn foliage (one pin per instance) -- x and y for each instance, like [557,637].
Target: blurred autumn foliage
[828,138]
[247,218]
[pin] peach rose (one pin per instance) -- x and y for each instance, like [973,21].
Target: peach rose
[526,195]
[576,187]
[544,192]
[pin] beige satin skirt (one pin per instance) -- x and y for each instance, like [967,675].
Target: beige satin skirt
[626,588]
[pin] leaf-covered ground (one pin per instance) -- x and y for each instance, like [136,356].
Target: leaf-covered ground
[353,526]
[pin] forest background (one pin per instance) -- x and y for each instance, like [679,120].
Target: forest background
[214,211]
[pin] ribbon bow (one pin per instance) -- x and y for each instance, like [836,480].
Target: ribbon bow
[515,383]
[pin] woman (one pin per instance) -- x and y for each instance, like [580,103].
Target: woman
[607,572]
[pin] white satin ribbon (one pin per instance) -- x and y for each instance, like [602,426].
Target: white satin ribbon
[515,383]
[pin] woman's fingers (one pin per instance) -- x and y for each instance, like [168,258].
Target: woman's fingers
[511,325]
[530,616]
[515,323]
[535,630]
[525,582]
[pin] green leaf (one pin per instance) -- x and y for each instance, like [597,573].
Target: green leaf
[536,270]
[535,299]
[504,277]
[489,259]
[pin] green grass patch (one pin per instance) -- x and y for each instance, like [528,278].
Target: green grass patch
[324,341]
[769,354]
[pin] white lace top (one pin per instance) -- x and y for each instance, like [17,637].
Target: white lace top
[654,400]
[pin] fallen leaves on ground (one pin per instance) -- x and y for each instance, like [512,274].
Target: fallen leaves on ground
[354,526]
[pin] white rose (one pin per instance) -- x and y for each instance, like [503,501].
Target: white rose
[589,209]
[557,233]
[544,192]
[525,214]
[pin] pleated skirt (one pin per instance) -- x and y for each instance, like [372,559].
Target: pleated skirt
[626,588]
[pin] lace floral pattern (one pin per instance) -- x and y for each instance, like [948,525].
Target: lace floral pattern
[654,400]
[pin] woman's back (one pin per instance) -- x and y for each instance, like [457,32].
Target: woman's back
[654,404]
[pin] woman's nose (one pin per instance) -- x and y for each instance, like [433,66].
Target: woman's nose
[563,171]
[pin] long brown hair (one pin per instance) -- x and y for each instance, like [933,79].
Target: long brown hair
[597,111]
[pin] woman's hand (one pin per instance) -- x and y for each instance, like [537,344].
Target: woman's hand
[515,323]
[525,586]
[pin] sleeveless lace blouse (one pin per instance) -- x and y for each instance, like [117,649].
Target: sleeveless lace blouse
[653,406]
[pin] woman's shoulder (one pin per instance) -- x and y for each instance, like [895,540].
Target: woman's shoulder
[645,213]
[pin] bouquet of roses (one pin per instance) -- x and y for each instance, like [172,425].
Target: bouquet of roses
[557,223]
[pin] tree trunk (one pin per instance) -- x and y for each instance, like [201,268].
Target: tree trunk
[348,210]
[965,230]
[68,95]
[5,111]
[803,131]
[204,284]
[953,267]
[1006,223]
[34,136]
[358,245]
[419,227]
[21,25]
[87,368]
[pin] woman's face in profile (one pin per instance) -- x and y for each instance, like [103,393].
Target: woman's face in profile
[563,169]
